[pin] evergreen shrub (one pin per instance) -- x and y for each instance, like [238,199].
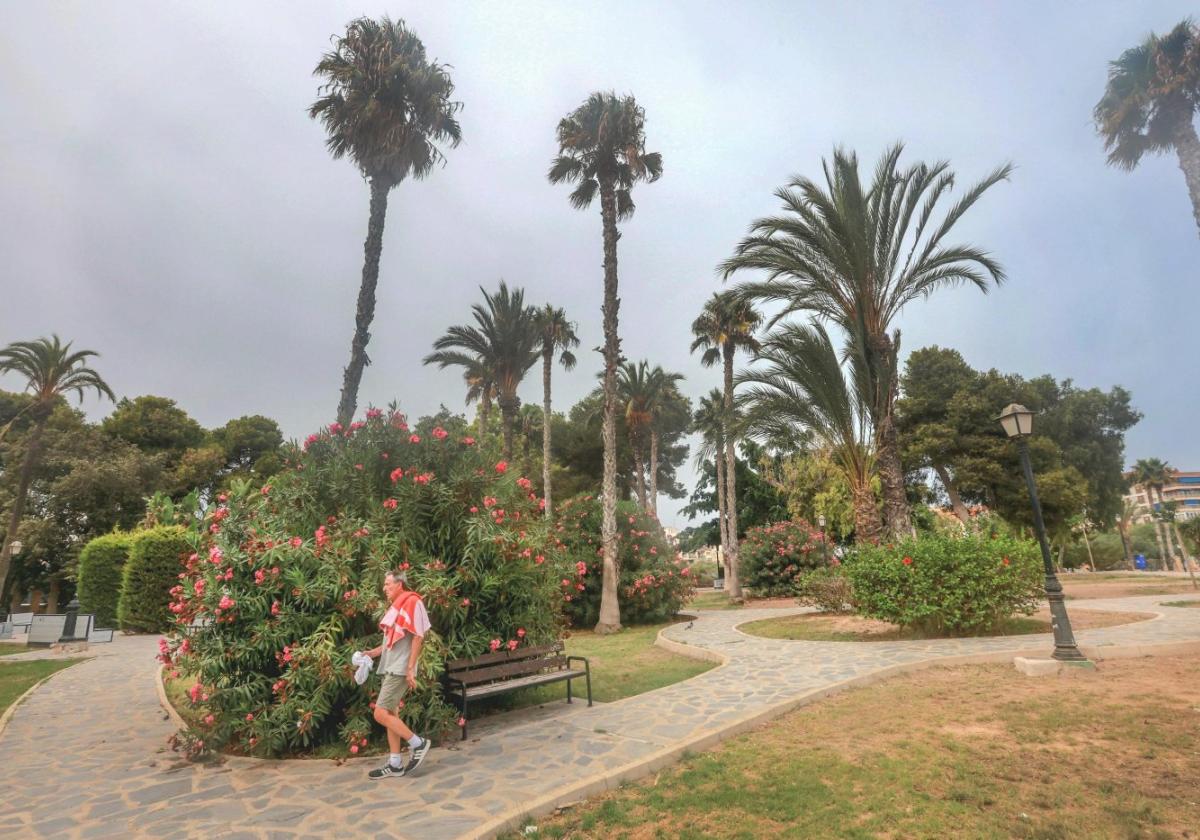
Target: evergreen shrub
[946,585]
[98,585]
[155,560]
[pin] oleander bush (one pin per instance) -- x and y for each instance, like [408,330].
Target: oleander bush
[773,557]
[654,581]
[290,573]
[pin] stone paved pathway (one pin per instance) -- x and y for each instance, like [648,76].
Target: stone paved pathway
[85,755]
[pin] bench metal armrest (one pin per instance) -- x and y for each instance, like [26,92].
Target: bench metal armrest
[586,665]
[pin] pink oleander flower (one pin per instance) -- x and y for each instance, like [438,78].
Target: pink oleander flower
[414,438]
[275,608]
[541,504]
[468,441]
[259,576]
[266,489]
[462,721]
[215,555]
[466,602]
[374,413]
[208,719]
[358,466]
[489,501]
[354,748]
[540,559]
[194,692]
[494,644]
[524,483]
[512,644]
[390,504]
[474,509]
[440,433]
[296,542]
[423,478]
[199,585]
[226,602]
[396,474]
[520,632]
[335,428]
[502,467]
[249,716]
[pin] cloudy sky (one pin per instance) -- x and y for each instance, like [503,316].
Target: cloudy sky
[166,200]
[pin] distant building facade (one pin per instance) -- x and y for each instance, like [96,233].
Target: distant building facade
[1184,491]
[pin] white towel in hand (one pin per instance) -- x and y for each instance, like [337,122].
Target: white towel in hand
[364,664]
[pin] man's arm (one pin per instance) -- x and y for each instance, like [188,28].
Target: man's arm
[374,652]
[414,657]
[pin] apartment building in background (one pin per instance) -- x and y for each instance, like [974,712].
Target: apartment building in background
[1183,490]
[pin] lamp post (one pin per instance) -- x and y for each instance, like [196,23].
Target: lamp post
[1017,421]
[824,547]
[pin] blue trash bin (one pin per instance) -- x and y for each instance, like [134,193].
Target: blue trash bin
[1139,561]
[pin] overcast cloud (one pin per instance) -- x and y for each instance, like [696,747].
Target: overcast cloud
[166,201]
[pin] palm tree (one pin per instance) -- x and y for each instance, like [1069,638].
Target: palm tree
[802,385]
[856,255]
[709,421]
[502,346]
[726,325]
[633,395]
[480,387]
[387,107]
[1153,474]
[558,336]
[666,404]
[1152,95]
[602,149]
[52,371]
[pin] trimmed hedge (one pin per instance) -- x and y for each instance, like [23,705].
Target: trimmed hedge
[101,564]
[946,585]
[155,561]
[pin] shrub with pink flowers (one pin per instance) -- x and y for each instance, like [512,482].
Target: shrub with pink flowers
[289,575]
[946,585]
[775,556]
[655,582]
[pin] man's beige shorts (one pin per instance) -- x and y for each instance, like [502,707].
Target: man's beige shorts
[392,692]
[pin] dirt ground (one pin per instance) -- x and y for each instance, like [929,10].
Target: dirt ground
[1082,586]
[1080,620]
[968,751]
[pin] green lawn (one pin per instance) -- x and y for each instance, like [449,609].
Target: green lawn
[8,649]
[1181,603]
[623,665]
[15,679]
[972,751]
[818,628]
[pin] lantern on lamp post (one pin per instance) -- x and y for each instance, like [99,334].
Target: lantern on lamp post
[824,547]
[1017,421]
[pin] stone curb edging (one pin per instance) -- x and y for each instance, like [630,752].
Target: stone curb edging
[161,689]
[11,710]
[610,780]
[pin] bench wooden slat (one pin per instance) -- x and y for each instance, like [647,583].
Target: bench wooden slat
[477,691]
[502,656]
[510,670]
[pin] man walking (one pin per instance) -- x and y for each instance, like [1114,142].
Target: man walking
[404,626]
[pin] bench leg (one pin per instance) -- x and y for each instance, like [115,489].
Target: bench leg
[588,677]
[568,691]
[463,714]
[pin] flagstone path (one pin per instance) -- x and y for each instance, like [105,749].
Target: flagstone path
[85,757]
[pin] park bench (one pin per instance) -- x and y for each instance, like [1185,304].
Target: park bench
[46,629]
[496,673]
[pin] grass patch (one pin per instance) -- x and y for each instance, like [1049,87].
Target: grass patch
[623,664]
[9,649]
[820,627]
[1181,603]
[719,600]
[15,679]
[971,751]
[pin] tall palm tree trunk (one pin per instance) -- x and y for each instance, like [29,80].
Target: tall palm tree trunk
[508,415]
[610,609]
[1162,552]
[956,502]
[867,525]
[1189,563]
[1121,528]
[18,507]
[547,363]
[653,508]
[1171,552]
[891,472]
[639,473]
[1187,149]
[485,412]
[722,529]
[365,313]
[732,576]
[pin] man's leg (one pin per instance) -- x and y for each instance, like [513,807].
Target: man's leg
[390,694]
